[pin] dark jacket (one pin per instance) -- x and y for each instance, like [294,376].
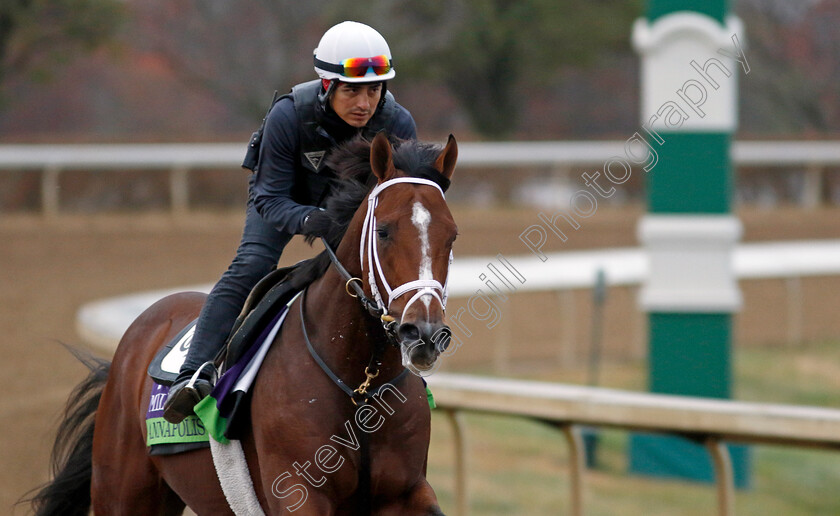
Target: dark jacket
[291,178]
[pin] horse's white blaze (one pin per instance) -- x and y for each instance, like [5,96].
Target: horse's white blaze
[421,218]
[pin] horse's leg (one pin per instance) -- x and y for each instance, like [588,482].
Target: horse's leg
[287,429]
[419,501]
[193,476]
[134,490]
[125,479]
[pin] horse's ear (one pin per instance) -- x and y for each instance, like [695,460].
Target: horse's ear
[381,159]
[445,163]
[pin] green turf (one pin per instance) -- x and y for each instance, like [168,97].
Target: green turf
[519,467]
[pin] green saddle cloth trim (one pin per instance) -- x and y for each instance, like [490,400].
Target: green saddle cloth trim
[161,431]
[215,423]
[212,423]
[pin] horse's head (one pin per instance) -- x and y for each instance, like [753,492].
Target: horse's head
[407,245]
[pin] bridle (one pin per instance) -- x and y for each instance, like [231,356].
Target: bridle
[368,247]
[376,307]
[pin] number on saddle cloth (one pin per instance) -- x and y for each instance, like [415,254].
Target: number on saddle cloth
[167,362]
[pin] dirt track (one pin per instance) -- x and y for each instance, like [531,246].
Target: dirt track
[50,268]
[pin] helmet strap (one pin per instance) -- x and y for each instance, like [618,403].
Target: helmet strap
[328,86]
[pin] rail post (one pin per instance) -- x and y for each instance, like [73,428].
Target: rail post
[50,190]
[577,466]
[812,187]
[459,434]
[724,478]
[179,189]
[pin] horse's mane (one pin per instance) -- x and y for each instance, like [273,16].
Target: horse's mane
[354,180]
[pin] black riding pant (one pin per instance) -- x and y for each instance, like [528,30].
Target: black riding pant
[258,253]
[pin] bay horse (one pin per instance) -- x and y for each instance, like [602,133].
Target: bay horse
[401,237]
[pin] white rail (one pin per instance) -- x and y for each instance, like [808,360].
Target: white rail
[51,160]
[710,421]
[103,322]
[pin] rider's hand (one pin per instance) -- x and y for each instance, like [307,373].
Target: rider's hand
[316,224]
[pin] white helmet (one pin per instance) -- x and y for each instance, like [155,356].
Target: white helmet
[353,52]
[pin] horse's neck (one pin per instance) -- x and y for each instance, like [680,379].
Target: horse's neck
[341,327]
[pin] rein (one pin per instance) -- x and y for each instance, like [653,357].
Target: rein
[361,393]
[376,308]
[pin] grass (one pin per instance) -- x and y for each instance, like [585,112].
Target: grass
[519,467]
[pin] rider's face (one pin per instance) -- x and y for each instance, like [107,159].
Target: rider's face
[356,103]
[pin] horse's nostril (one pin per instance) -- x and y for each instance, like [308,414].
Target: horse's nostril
[441,338]
[409,332]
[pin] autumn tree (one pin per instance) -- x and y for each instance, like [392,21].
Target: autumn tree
[482,50]
[485,51]
[38,35]
[237,50]
[794,53]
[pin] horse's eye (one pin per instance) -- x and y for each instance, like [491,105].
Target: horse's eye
[382,231]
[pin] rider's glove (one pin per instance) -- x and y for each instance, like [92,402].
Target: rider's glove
[316,224]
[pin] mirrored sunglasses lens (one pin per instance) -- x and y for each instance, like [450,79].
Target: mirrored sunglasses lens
[358,67]
[355,71]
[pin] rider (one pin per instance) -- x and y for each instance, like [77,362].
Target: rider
[291,181]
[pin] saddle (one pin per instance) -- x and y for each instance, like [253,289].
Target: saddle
[266,299]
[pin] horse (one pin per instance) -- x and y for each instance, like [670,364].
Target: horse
[401,236]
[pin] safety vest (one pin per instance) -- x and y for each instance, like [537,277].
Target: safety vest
[312,176]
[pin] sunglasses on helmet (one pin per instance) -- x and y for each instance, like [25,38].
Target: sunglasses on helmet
[358,66]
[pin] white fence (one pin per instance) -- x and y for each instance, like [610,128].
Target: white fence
[711,422]
[103,322]
[810,157]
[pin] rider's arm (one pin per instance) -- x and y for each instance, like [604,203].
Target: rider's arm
[276,172]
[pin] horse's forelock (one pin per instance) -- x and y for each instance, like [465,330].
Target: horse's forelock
[413,157]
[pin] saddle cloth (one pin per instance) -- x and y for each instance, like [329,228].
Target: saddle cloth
[224,411]
[263,307]
[162,437]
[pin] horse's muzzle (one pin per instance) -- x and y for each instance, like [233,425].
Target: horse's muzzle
[423,342]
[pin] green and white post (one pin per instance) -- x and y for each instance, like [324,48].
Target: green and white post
[689,69]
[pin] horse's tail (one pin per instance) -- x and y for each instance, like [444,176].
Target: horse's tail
[68,493]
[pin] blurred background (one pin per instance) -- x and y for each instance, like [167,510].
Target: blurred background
[182,71]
